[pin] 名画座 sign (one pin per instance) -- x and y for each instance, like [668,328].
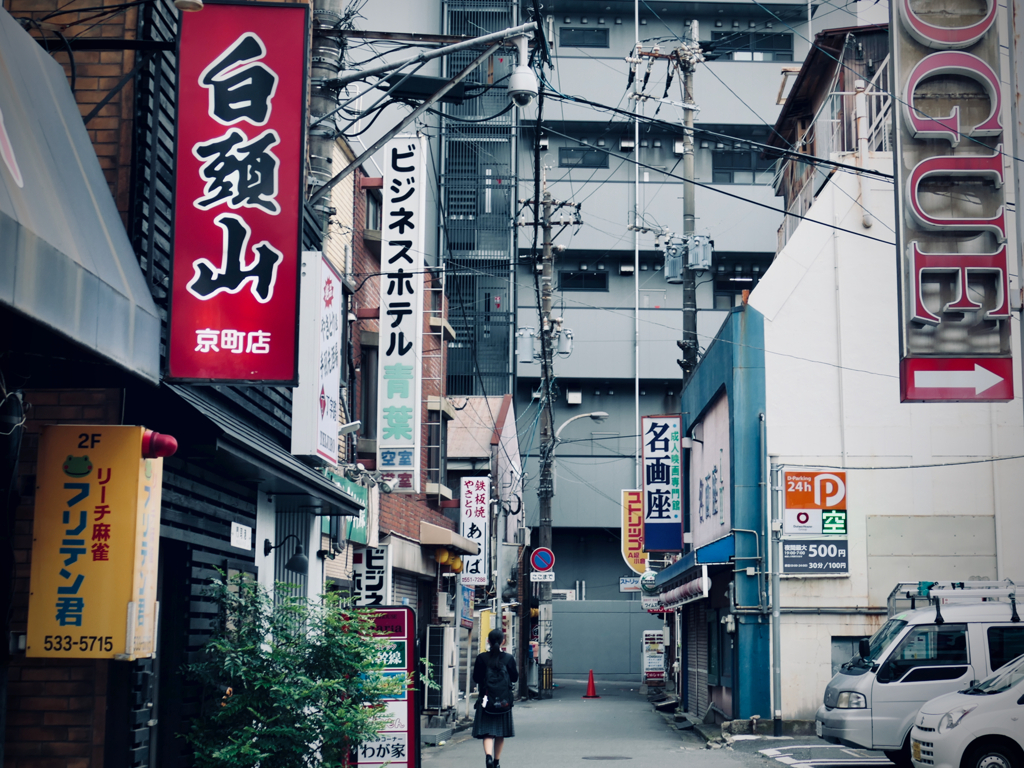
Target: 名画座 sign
[475,500]
[662,484]
[710,475]
[241,123]
[95,545]
[954,290]
[633,531]
[400,370]
[315,408]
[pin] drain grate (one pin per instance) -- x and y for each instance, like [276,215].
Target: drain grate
[607,757]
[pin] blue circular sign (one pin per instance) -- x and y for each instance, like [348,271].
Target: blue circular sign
[542,559]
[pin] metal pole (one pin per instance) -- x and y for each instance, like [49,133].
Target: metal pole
[405,121]
[689,218]
[546,490]
[776,534]
[637,447]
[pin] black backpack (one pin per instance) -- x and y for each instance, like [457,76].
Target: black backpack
[499,687]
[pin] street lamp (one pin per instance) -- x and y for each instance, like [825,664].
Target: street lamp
[546,492]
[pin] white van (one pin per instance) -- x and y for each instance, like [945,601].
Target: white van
[967,631]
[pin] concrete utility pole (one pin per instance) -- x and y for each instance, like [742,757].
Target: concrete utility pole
[688,57]
[550,330]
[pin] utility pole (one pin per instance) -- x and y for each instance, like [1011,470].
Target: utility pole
[550,331]
[688,57]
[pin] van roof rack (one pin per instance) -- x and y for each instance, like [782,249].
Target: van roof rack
[909,595]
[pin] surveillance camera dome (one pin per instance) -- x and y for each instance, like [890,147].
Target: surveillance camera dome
[522,86]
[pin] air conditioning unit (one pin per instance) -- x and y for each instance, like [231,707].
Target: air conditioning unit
[441,653]
[563,594]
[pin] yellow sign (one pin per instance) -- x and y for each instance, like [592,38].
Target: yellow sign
[633,531]
[95,545]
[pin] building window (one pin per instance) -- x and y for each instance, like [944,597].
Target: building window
[740,163]
[583,37]
[373,206]
[753,46]
[583,281]
[581,157]
[437,438]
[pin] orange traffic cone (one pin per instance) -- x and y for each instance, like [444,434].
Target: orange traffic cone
[591,692]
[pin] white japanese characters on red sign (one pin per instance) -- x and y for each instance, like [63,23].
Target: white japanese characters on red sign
[475,503]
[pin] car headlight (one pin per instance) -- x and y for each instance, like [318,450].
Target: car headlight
[851,700]
[952,719]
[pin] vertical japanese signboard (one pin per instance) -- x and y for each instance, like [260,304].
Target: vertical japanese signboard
[662,487]
[238,193]
[315,401]
[400,370]
[710,479]
[397,744]
[633,531]
[95,545]
[475,503]
[950,203]
[371,576]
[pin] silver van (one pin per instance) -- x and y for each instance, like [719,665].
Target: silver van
[967,631]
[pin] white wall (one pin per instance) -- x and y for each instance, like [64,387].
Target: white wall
[832,381]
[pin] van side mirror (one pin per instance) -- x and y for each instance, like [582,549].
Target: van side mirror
[864,648]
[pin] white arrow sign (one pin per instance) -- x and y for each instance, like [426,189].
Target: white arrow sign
[980,379]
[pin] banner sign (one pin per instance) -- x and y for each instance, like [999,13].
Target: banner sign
[653,657]
[662,486]
[400,371]
[95,545]
[371,576]
[633,531]
[710,478]
[315,407]
[474,501]
[815,557]
[466,615]
[953,276]
[238,193]
[397,744]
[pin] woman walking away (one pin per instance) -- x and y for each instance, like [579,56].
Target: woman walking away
[494,672]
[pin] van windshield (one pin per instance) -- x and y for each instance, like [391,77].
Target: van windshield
[1001,680]
[881,640]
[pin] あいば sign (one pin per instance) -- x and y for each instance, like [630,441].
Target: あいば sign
[475,503]
[240,152]
[95,545]
[400,371]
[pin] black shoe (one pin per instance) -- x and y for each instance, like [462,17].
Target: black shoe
[490,761]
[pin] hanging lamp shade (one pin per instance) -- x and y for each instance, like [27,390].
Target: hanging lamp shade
[298,563]
[441,555]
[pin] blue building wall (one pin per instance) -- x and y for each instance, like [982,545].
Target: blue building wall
[734,363]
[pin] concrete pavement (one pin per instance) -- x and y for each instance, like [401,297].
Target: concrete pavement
[623,728]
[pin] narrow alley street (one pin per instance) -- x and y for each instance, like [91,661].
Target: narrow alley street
[622,726]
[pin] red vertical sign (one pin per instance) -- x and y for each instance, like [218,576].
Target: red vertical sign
[238,193]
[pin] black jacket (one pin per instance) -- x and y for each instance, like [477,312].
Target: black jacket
[480,670]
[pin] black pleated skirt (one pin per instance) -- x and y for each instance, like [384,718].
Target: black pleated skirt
[486,725]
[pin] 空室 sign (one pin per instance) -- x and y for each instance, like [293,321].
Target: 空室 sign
[400,371]
[238,193]
[950,203]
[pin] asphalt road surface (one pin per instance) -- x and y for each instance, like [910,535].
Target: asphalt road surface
[622,730]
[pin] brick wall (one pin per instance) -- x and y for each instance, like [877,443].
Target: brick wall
[56,708]
[399,513]
[97,72]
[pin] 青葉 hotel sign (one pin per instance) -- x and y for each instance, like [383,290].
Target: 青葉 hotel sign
[951,165]
[238,192]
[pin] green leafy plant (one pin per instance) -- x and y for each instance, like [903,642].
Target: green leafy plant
[287,683]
